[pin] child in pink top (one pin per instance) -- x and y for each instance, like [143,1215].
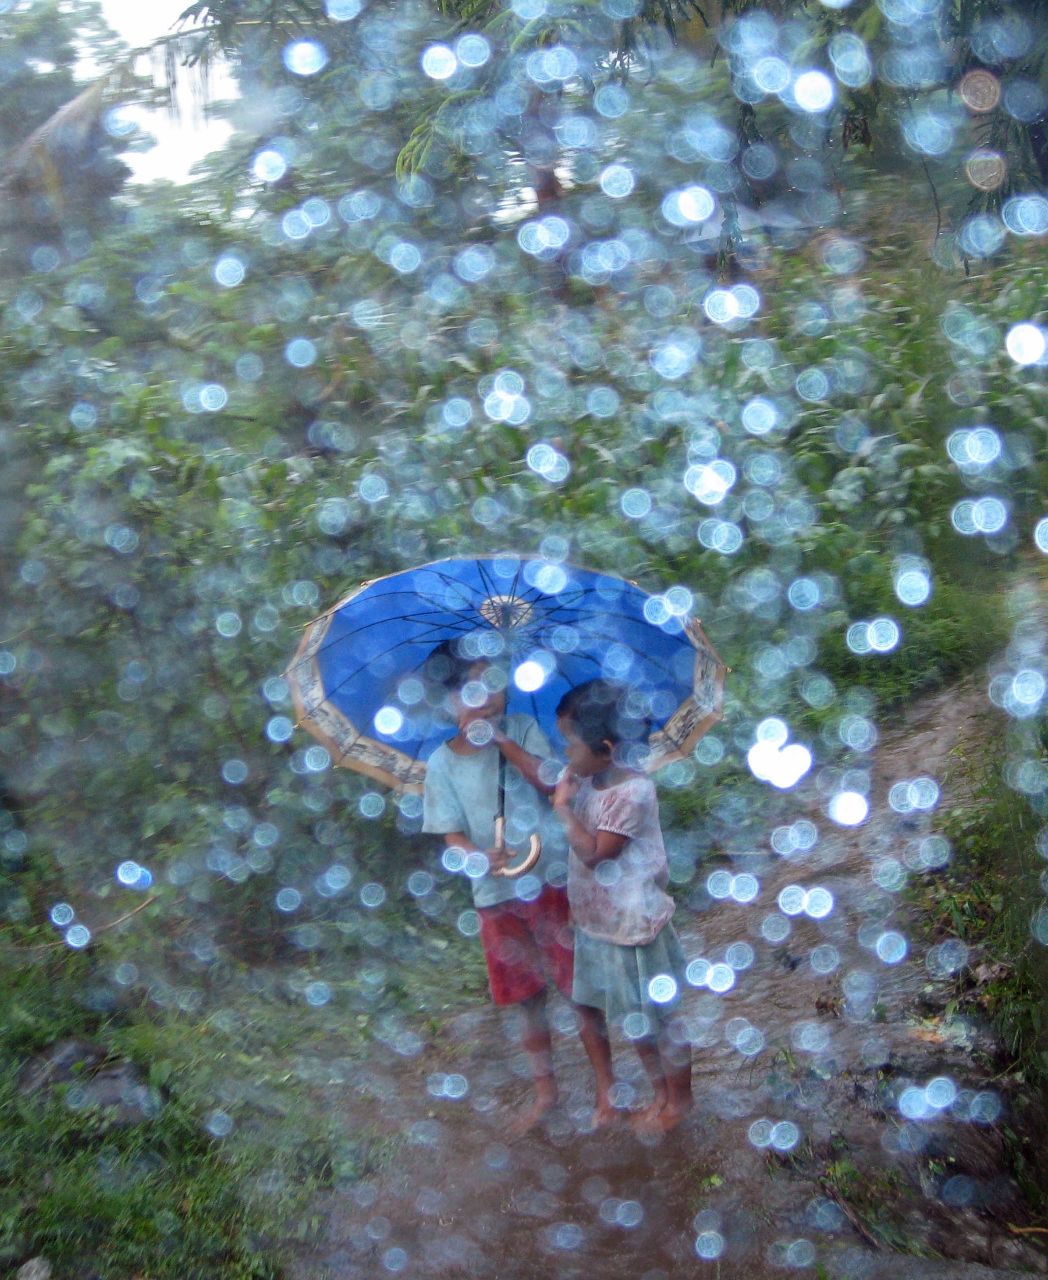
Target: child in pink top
[629,966]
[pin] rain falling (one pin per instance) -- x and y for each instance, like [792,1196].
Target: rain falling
[524,654]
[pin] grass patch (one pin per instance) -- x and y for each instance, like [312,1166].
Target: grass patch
[156,1198]
[164,1198]
[987,897]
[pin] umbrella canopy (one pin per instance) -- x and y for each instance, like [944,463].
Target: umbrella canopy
[357,678]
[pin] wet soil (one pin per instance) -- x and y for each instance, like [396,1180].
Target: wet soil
[863,1193]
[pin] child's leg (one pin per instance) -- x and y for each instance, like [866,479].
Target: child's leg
[593,1032]
[667,1060]
[675,1051]
[651,1060]
[539,1048]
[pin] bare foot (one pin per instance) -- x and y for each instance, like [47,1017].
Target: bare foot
[662,1119]
[604,1116]
[647,1119]
[524,1121]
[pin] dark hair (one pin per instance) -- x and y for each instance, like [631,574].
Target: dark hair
[449,666]
[598,714]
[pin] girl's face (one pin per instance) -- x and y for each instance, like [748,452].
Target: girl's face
[583,761]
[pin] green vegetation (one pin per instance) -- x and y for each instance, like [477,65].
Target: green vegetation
[990,896]
[224,405]
[161,1195]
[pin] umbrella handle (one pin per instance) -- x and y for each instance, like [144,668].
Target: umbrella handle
[530,858]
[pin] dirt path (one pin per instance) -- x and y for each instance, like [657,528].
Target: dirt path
[842,1185]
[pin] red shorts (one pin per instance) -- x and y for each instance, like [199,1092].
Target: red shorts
[527,945]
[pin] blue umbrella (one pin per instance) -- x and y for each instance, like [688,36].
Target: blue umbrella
[358,682]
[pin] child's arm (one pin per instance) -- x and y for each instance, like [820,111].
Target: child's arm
[527,765]
[497,858]
[590,847]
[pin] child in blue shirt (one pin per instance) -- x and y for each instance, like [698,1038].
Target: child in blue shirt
[525,929]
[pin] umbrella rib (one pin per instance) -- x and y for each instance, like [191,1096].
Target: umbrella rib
[459,625]
[421,639]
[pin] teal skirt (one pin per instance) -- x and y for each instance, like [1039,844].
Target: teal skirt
[637,988]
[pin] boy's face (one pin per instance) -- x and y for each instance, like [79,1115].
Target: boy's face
[479,698]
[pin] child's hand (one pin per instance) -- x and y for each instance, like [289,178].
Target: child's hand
[498,858]
[566,790]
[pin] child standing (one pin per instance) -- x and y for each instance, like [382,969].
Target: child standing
[527,940]
[629,965]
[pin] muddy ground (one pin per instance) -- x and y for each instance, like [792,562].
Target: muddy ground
[864,1192]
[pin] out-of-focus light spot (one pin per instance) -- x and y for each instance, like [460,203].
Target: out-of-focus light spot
[813,91]
[881,635]
[913,587]
[818,903]
[635,503]
[771,760]
[439,62]
[269,166]
[775,928]
[982,235]
[891,947]
[343,10]
[771,74]
[940,1092]
[986,169]
[371,804]
[825,958]
[373,488]
[1040,535]
[913,1104]
[617,181]
[784,1136]
[851,62]
[235,772]
[305,57]
[744,887]
[711,482]
[721,978]
[229,271]
[62,914]
[759,416]
[544,237]
[1026,215]
[688,206]
[373,895]
[709,1245]
[301,352]
[213,397]
[1026,343]
[980,90]
[848,808]
[472,50]
[219,1124]
[791,900]
[529,676]
[662,988]
[388,720]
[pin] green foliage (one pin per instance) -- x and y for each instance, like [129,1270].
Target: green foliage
[988,896]
[157,1197]
[954,633]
